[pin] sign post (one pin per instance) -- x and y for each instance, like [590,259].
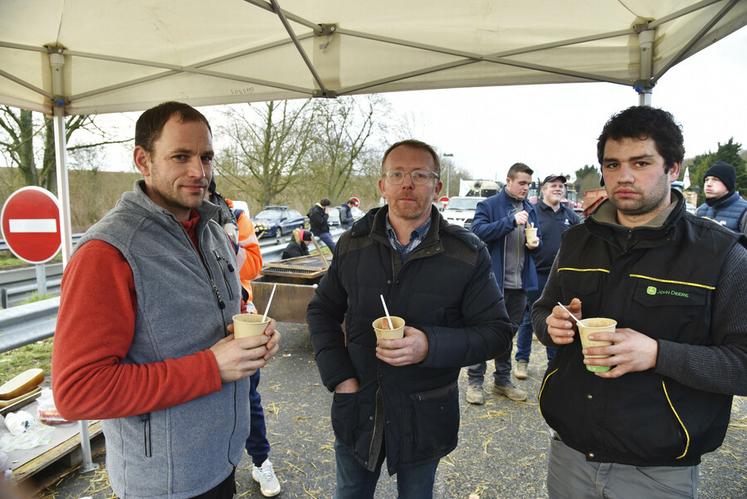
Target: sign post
[31,227]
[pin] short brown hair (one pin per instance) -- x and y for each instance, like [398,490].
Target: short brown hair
[519,168]
[415,144]
[150,124]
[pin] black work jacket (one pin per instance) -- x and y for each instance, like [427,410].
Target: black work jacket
[446,289]
[318,220]
[659,282]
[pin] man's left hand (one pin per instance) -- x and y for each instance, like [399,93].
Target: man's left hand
[411,349]
[630,351]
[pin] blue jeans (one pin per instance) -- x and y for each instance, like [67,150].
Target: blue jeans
[524,336]
[356,482]
[516,303]
[257,445]
[326,238]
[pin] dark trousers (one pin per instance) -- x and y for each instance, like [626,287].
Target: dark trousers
[526,330]
[326,238]
[516,303]
[224,490]
[257,445]
[356,482]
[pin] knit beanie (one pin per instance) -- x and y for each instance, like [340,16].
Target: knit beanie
[725,173]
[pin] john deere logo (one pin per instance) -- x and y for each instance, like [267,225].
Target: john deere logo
[653,291]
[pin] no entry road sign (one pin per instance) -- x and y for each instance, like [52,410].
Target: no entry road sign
[31,224]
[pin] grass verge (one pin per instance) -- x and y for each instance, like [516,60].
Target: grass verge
[16,361]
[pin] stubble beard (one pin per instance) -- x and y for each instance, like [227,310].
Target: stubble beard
[643,206]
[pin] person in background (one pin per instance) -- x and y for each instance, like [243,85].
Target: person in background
[319,222]
[346,213]
[298,245]
[144,336]
[723,203]
[240,229]
[675,285]
[554,219]
[398,398]
[500,221]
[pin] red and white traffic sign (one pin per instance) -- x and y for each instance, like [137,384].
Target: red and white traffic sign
[31,224]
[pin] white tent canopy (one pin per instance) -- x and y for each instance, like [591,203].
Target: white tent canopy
[125,56]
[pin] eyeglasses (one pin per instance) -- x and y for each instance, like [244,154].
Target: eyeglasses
[418,177]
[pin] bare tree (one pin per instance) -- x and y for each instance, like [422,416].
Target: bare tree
[27,142]
[269,148]
[344,127]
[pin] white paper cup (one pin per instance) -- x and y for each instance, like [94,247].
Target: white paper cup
[245,325]
[381,326]
[596,325]
[531,234]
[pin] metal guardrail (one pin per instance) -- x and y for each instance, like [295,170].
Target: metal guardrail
[24,324]
[4,245]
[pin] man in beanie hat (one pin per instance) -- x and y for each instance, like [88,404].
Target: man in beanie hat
[723,203]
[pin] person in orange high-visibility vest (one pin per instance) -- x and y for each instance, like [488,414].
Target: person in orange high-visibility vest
[240,230]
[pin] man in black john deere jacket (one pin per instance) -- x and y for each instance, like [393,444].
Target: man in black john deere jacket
[399,398]
[673,282]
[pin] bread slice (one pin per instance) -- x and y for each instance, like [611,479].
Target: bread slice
[23,383]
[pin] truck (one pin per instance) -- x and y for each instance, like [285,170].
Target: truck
[479,188]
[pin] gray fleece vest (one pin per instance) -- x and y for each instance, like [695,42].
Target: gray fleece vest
[184,302]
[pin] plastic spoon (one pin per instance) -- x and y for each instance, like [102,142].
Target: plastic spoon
[386,311]
[269,302]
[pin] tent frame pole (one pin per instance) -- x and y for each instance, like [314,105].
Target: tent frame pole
[57,63]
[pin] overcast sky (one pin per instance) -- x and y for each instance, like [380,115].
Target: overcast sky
[553,128]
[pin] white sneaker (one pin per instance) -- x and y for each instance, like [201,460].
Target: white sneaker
[265,476]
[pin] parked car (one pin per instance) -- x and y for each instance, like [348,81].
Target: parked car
[461,210]
[277,221]
[334,216]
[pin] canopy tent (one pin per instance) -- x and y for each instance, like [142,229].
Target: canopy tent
[125,56]
[91,56]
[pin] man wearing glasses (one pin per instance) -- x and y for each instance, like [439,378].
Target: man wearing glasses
[398,399]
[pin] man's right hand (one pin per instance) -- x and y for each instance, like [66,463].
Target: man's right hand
[560,324]
[239,358]
[521,218]
[350,385]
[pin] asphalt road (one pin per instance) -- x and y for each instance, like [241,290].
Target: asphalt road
[501,453]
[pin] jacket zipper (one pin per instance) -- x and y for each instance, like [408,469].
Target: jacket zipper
[147,443]
[221,306]
[230,269]
[679,420]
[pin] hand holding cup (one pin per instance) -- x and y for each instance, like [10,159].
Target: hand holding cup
[531,236]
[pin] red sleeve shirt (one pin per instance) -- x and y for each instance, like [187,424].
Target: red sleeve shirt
[95,328]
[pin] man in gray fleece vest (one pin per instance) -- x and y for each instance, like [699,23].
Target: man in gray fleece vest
[143,338]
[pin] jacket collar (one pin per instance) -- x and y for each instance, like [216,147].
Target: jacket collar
[138,199]
[373,224]
[508,201]
[724,201]
[643,236]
